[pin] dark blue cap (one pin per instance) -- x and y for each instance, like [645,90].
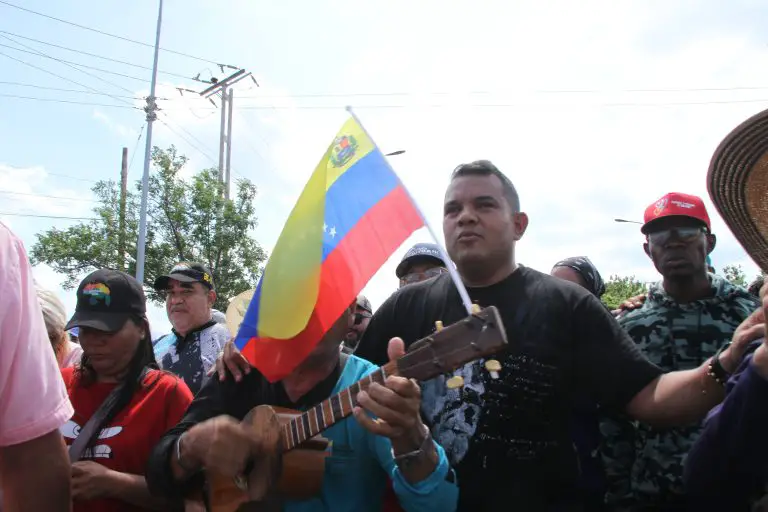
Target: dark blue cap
[419,252]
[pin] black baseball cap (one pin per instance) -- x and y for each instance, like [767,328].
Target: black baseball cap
[106,299]
[363,303]
[186,273]
[419,252]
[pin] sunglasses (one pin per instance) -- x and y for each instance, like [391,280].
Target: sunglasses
[682,234]
[360,316]
[422,276]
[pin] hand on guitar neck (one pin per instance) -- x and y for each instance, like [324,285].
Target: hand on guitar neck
[397,405]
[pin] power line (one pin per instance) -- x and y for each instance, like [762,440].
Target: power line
[21,84]
[70,177]
[94,55]
[46,216]
[47,196]
[108,34]
[203,144]
[63,61]
[498,92]
[193,146]
[65,176]
[55,100]
[186,140]
[135,147]
[73,67]
[58,76]
[484,105]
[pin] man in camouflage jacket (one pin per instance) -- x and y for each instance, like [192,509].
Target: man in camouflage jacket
[684,321]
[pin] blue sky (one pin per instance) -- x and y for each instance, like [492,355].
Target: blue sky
[594,109]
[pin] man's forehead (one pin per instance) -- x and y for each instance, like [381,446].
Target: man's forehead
[173,284]
[467,188]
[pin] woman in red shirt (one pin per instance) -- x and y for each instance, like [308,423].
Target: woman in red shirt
[117,383]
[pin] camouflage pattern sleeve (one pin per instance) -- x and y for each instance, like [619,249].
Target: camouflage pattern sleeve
[618,451]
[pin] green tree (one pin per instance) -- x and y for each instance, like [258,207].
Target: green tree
[735,274]
[618,289]
[187,220]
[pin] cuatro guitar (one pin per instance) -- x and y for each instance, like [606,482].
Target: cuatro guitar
[297,462]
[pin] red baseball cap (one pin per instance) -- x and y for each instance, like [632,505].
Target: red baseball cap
[675,204]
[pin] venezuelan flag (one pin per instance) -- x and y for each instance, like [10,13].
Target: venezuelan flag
[351,216]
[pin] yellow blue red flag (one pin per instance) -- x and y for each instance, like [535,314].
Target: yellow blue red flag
[351,216]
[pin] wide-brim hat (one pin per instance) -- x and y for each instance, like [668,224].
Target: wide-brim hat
[738,185]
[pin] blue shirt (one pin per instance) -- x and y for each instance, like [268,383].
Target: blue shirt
[727,468]
[356,472]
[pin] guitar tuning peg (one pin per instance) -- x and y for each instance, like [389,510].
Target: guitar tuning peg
[475,309]
[438,325]
[493,367]
[455,382]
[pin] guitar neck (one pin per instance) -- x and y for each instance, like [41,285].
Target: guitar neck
[474,337]
[330,411]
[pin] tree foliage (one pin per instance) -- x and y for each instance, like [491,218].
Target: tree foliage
[187,220]
[735,274]
[618,289]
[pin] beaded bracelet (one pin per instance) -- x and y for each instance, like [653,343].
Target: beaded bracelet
[715,369]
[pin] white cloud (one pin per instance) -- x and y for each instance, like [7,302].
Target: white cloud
[28,191]
[120,130]
[579,159]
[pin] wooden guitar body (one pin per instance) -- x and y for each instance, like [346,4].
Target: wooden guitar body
[299,474]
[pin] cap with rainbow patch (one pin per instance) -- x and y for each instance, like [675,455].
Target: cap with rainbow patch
[106,299]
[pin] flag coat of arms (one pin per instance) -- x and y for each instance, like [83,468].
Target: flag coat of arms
[351,216]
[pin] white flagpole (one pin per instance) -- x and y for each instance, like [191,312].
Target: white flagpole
[449,265]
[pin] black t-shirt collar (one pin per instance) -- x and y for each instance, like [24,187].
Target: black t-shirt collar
[181,340]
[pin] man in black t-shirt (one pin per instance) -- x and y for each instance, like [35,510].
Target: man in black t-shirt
[509,438]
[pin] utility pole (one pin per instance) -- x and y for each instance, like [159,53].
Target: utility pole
[150,109]
[228,170]
[223,88]
[121,219]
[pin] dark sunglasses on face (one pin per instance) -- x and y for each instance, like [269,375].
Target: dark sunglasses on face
[682,234]
[359,317]
[421,276]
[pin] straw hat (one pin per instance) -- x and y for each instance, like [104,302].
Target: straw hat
[738,185]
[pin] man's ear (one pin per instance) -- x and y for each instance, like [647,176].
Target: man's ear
[211,298]
[647,249]
[520,220]
[711,242]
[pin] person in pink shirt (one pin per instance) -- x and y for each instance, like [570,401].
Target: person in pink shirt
[33,399]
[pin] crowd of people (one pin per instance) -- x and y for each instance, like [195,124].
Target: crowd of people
[656,406]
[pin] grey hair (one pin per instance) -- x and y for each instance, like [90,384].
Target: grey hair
[54,313]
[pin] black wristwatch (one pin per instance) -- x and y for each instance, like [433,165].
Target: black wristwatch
[716,370]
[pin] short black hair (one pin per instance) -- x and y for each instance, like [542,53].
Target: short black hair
[486,168]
